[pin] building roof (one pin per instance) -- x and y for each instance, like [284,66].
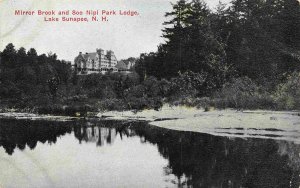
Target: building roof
[108,56]
[90,55]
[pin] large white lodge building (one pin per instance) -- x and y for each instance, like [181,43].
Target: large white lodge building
[96,62]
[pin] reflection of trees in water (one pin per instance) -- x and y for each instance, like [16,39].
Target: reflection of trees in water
[209,161]
[197,160]
[98,135]
[291,150]
[101,133]
[19,133]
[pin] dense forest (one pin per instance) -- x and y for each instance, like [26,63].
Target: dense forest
[242,47]
[243,55]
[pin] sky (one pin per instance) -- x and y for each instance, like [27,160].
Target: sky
[127,36]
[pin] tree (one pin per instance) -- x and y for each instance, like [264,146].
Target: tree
[32,52]
[53,85]
[8,56]
[174,33]
[32,55]
[52,56]
[22,52]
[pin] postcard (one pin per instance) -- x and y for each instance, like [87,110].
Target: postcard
[149,93]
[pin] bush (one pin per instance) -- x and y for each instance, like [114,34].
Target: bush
[151,87]
[111,104]
[203,102]
[243,93]
[287,95]
[186,85]
[143,103]
[69,110]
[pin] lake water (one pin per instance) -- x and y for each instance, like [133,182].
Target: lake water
[134,154]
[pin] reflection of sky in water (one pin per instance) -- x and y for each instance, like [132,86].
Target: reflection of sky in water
[70,154]
[126,162]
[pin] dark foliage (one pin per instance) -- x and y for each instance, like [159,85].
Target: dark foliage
[244,55]
[258,39]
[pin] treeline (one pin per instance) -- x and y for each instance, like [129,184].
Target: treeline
[244,55]
[27,75]
[259,39]
[250,47]
[42,83]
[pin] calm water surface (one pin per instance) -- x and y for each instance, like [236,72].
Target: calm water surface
[134,154]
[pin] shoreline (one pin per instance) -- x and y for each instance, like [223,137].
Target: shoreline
[265,124]
[277,125]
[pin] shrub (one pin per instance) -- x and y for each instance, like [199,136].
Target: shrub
[164,87]
[287,95]
[111,104]
[204,102]
[186,85]
[143,103]
[243,93]
[135,91]
[151,86]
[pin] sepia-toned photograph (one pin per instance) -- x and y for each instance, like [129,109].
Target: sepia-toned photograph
[149,93]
